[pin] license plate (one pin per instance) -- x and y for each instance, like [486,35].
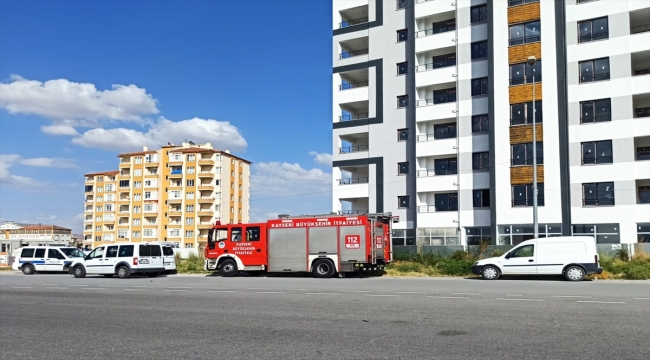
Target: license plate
[144,261]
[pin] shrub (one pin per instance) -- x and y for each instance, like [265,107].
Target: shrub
[637,271]
[455,267]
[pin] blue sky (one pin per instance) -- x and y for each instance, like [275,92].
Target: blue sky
[84,80]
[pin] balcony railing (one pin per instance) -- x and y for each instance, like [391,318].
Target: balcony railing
[353,85]
[525,40]
[353,212]
[437,100]
[426,208]
[586,160]
[527,202]
[599,35]
[640,29]
[348,23]
[641,71]
[353,53]
[642,155]
[436,65]
[525,161]
[525,80]
[594,77]
[642,112]
[525,121]
[520,2]
[439,135]
[440,30]
[595,118]
[439,172]
[351,149]
[348,181]
[598,202]
[350,117]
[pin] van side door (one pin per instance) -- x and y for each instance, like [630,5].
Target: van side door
[110,259]
[54,260]
[521,260]
[39,260]
[157,261]
[95,261]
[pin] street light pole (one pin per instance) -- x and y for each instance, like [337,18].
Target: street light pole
[531,61]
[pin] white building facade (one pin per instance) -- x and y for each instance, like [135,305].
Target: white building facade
[433,117]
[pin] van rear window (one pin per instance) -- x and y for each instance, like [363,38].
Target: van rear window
[167,251]
[145,250]
[155,250]
[27,253]
[126,251]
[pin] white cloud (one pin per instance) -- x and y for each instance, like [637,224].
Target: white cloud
[7,161]
[323,159]
[48,162]
[284,179]
[59,129]
[221,134]
[75,103]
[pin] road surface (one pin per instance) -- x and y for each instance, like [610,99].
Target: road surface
[197,317]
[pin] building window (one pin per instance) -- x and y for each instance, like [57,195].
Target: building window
[190,182]
[591,30]
[443,26]
[190,169]
[403,202]
[481,198]
[136,209]
[137,222]
[442,61]
[402,101]
[642,153]
[402,134]
[643,232]
[479,50]
[521,2]
[98,228]
[191,157]
[136,234]
[190,195]
[109,187]
[480,124]
[402,35]
[148,233]
[438,236]
[403,237]
[481,160]
[523,73]
[479,87]
[124,183]
[642,112]
[479,14]
[593,111]
[402,68]
[446,202]
[598,194]
[604,233]
[189,221]
[448,166]
[522,154]
[594,70]
[122,234]
[522,195]
[176,157]
[597,152]
[444,131]
[643,192]
[137,184]
[525,33]
[402,168]
[136,172]
[478,235]
[189,234]
[108,207]
[443,96]
[522,113]
[189,208]
[401,4]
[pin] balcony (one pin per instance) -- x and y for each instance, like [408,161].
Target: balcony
[176,175]
[643,191]
[205,174]
[125,164]
[206,162]
[355,48]
[435,95]
[424,8]
[206,187]
[205,212]
[353,16]
[173,209]
[205,199]
[640,63]
[640,21]
[349,181]
[204,225]
[174,200]
[641,105]
[353,206]
[435,32]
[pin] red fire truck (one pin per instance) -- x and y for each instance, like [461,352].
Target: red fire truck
[324,245]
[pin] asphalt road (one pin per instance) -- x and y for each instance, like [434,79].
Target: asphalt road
[197,317]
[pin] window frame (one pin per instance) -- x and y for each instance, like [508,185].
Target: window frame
[402,134]
[480,14]
[484,124]
[405,66]
[483,201]
[400,167]
[479,50]
[402,101]
[402,35]
[528,154]
[525,39]
[528,195]
[604,159]
[595,113]
[403,199]
[451,200]
[597,199]
[483,84]
[481,161]
[590,37]
[595,76]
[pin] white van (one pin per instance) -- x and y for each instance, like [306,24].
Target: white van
[124,260]
[45,258]
[570,256]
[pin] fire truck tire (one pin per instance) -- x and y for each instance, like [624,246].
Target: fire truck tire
[228,268]
[323,269]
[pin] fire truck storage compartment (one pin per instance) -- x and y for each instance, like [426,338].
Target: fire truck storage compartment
[322,240]
[288,249]
[352,252]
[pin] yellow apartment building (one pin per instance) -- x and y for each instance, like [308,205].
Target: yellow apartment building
[173,194]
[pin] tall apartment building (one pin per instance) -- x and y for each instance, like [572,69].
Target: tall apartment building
[173,194]
[433,117]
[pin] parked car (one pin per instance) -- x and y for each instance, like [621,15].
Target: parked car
[125,260]
[572,257]
[32,259]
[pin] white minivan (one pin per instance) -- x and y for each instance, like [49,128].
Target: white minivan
[570,256]
[31,259]
[125,260]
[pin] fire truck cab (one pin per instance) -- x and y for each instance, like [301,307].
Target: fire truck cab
[324,245]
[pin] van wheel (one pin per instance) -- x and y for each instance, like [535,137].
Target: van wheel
[323,269]
[490,273]
[574,273]
[123,272]
[228,268]
[108,275]
[79,272]
[28,269]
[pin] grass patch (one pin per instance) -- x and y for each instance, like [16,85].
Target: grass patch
[6,268]
[624,266]
[458,264]
[192,265]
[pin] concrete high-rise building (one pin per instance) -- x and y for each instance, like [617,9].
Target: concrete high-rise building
[173,194]
[433,104]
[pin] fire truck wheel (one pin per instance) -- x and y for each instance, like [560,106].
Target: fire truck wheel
[323,269]
[228,268]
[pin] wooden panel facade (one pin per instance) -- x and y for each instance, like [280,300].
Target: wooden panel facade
[521,175]
[523,134]
[518,14]
[524,93]
[520,53]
